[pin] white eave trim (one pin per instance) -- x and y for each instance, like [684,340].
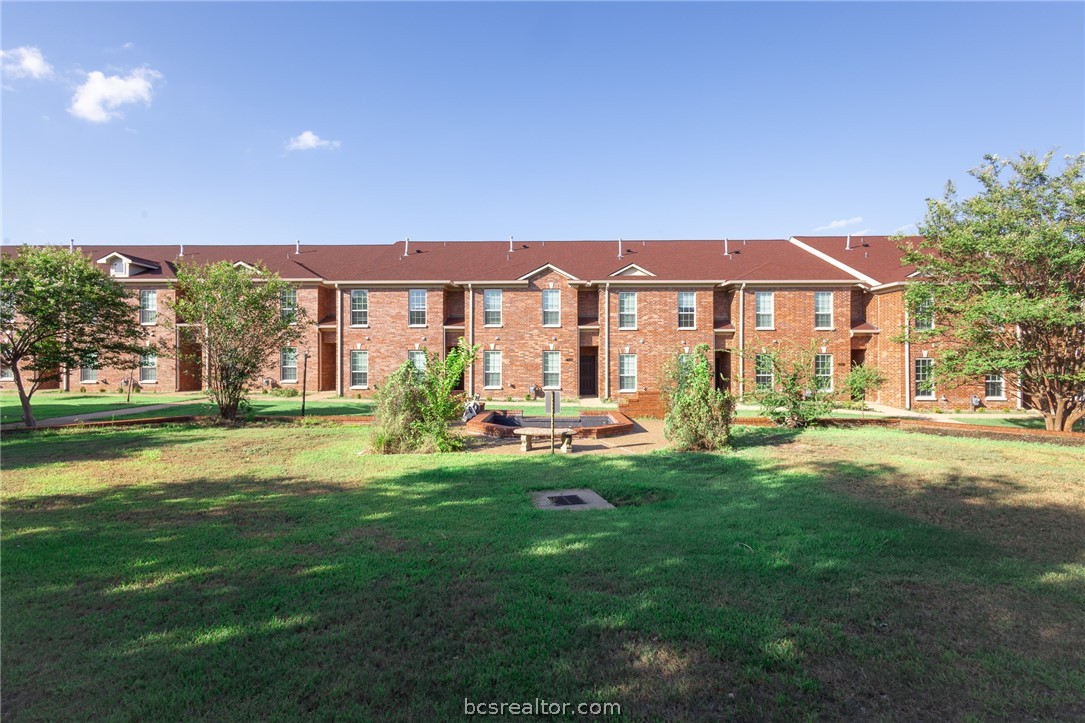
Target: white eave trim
[529,274]
[628,267]
[778,283]
[132,262]
[829,259]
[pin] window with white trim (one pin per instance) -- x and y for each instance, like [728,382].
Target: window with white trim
[88,373]
[627,372]
[417,357]
[924,378]
[491,307]
[763,372]
[288,304]
[823,372]
[288,364]
[687,309]
[551,301]
[359,307]
[359,369]
[823,310]
[995,386]
[924,315]
[491,369]
[627,309]
[416,307]
[764,310]
[148,307]
[6,373]
[551,369]
[116,268]
[148,368]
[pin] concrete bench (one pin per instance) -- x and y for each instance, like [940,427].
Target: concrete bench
[527,434]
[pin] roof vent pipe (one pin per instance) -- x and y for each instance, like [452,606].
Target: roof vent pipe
[511,249]
[406,243]
[847,246]
[71,244]
[182,252]
[726,248]
[297,247]
[619,248]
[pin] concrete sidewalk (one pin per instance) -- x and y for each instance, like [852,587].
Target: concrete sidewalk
[95,416]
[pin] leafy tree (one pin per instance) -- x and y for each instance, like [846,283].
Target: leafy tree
[698,415]
[234,314]
[862,380]
[795,398]
[57,309]
[1003,275]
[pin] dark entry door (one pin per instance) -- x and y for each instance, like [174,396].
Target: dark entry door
[589,375]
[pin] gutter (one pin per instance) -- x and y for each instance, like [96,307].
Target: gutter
[606,340]
[907,359]
[338,341]
[742,341]
[471,336]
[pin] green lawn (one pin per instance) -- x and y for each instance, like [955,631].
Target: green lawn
[268,572]
[1021,422]
[49,404]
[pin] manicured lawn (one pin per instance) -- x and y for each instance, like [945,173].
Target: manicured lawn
[272,572]
[268,406]
[49,404]
[1021,422]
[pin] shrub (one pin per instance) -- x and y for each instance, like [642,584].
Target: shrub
[284,392]
[82,390]
[795,399]
[698,415]
[862,380]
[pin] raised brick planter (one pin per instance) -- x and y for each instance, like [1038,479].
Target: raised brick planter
[619,424]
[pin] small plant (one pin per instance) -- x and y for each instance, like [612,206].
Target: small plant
[862,380]
[937,410]
[508,398]
[103,390]
[795,399]
[82,390]
[284,392]
[981,410]
[527,397]
[698,415]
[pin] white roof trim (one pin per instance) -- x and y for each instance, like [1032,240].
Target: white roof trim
[838,264]
[637,267]
[245,264]
[529,274]
[127,260]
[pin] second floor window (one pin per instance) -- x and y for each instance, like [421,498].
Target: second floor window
[687,310]
[359,307]
[359,369]
[148,307]
[416,307]
[551,300]
[491,307]
[288,364]
[764,310]
[823,310]
[288,304]
[627,310]
[924,315]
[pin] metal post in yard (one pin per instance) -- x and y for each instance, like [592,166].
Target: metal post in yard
[304,374]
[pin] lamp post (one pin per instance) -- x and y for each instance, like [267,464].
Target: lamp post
[304,374]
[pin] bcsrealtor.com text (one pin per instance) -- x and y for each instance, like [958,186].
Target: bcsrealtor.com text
[540,706]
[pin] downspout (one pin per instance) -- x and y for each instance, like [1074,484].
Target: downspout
[471,336]
[742,341]
[907,360]
[338,341]
[606,341]
[1017,383]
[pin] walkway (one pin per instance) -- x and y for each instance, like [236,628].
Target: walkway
[93,416]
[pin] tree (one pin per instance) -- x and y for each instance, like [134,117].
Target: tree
[698,415]
[862,380]
[1003,275]
[57,309]
[236,316]
[796,396]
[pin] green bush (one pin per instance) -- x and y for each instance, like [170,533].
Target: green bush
[795,399]
[284,392]
[698,415]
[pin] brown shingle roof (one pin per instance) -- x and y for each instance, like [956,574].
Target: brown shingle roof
[878,257]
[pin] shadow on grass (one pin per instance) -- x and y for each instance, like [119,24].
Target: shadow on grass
[47,446]
[728,589]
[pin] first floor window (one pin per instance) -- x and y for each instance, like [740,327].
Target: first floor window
[627,372]
[551,299]
[148,368]
[418,359]
[551,369]
[764,310]
[288,364]
[359,307]
[148,306]
[88,373]
[687,309]
[823,310]
[6,373]
[762,369]
[416,307]
[823,372]
[924,378]
[995,387]
[359,369]
[491,369]
[491,307]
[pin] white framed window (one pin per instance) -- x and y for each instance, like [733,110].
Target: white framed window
[551,301]
[823,310]
[6,373]
[924,378]
[823,372]
[627,372]
[288,303]
[762,371]
[116,268]
[148,307]
[551,369]
[359,369]
[417,357]
[491,307]
[764,310]
[288,365]
[491,369]
[88,373]
[416,307]
[627,310]
[687,309]
[148,368]
[924,315]
[359,307]
[995,386]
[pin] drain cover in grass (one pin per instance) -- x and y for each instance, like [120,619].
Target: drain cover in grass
[569,500]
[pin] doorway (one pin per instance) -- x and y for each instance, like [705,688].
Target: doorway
[589,371]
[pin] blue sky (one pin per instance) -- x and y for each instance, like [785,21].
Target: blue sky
[552,121]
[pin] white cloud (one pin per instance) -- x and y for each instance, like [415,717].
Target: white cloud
[98,98]
[25,62]
[128,46]
[906,228]
[861,232]
[840,223]
[308,141]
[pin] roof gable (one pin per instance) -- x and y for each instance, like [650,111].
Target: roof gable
[633,270]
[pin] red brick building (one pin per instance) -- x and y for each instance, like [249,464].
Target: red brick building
[592,318]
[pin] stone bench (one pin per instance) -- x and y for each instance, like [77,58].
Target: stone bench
[527,434]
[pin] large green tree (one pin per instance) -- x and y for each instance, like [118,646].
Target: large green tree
[1004,274]
[57,310]
[237,316]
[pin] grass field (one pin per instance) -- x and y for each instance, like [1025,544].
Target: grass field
[49,404]
[271,572]
[1022,422]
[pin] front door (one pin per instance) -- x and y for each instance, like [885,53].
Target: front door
[589,373]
